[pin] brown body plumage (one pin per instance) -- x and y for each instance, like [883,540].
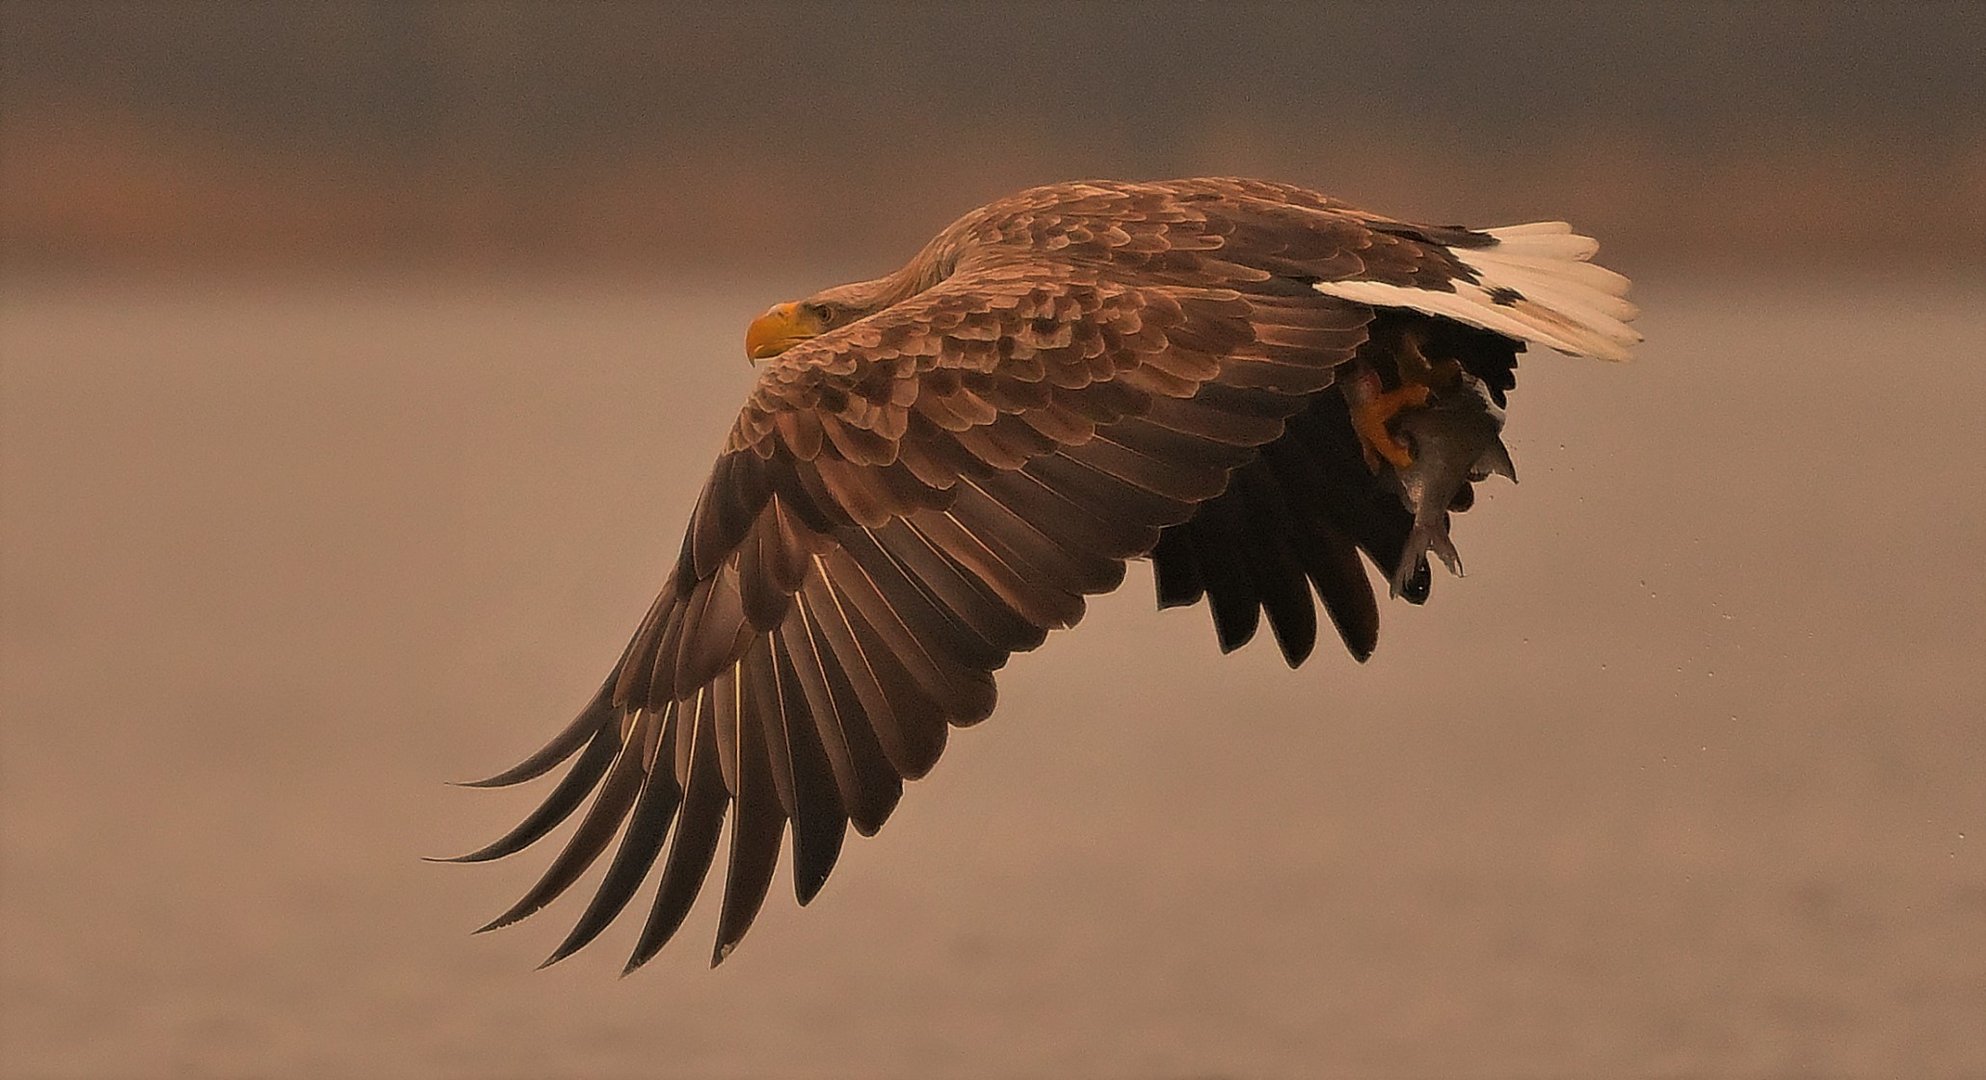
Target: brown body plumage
[936,467]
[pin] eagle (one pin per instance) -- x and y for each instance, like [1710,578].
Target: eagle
[1254,386]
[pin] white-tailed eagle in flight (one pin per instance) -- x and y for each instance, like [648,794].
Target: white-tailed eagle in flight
[1254,386]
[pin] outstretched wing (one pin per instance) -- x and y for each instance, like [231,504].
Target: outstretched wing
[908,500]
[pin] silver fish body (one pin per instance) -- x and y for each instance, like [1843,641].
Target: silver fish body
[1455,439]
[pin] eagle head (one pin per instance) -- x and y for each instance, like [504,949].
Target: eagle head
[786,325]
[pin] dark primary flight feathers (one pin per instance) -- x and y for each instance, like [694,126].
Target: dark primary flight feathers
[936,467]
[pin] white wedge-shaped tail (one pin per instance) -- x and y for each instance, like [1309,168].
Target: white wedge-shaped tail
[1533,284]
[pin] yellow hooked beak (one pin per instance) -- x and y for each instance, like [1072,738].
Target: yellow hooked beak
[779,329]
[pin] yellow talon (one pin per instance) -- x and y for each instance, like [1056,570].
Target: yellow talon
[1374,407]
[1371,415]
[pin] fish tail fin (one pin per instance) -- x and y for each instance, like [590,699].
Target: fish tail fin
[1424,538]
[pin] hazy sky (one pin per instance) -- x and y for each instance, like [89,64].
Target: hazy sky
[1734,132]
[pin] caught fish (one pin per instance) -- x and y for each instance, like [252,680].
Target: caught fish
[1455,438]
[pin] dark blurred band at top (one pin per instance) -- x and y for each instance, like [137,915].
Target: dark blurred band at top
[649,137]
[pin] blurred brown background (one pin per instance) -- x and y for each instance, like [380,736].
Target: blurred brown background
[359,363]
[646,135]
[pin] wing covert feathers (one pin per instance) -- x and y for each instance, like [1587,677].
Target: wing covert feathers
[1071,378]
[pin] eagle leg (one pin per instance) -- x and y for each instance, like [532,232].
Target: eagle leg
[1374,407]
